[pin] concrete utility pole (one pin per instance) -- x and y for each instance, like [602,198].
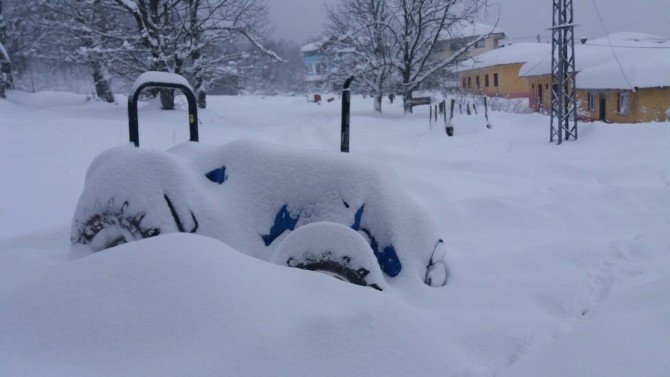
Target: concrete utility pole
[563,93]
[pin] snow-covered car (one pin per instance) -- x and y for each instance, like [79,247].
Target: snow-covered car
[313,210]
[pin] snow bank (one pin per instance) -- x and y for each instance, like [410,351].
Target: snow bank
[187,305]
[627,334]
[537,236]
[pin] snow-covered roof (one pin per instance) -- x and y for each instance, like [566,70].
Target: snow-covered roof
[512,54]
[154,76]
[644,58]
[4,56]
[644,68]
[466,29]
[312,47]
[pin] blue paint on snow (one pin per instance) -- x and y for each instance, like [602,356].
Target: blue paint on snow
[217,175]
[388,258]
[283,222]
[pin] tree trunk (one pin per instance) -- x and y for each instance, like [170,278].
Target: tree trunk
[2,85]
[167,99]
[102,87]
[378,103]
[407,101]
[201,97]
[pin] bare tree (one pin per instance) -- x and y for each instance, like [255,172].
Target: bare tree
[361,43]
[83,32]
[187,37]
[418,27]
[19,35]
[212,39]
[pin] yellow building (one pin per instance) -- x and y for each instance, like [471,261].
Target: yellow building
[496,73]
[634,89]
[631,87]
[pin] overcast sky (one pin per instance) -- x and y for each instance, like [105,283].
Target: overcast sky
[301,19]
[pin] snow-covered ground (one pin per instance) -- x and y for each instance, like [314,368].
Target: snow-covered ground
[558,254]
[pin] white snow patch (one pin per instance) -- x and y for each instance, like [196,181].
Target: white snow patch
[162,77]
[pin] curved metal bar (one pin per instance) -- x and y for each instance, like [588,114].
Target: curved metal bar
[346,115]
[133,121]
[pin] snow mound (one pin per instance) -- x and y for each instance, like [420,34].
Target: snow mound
[252,195]
[181,304]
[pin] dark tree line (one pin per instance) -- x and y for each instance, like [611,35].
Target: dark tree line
[204,40]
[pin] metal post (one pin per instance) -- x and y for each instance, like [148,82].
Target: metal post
[133,121]
[430,116]
[346,115]
[450,126]
[563,91]
[486,112]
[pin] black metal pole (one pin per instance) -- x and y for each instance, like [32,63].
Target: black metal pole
[450,126]
[346,115]
[486,112]
[133,121]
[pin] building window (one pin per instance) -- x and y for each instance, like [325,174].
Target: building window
[495,79]
[469,82]
[480,44]
[623,103]
[533,86]
[456,46]
[477,81]
[486,80]
[463,84]
[592,101]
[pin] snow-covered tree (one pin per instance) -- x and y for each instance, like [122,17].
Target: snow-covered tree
[19,35]
[418,26]
[361,44]
[270,76]
[83,32]
[200,39]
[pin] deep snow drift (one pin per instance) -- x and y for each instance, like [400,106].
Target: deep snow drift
[558,255]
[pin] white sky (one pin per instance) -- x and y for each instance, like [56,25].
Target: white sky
[301,19]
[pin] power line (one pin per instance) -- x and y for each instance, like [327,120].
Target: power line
[602,23]
[640,47]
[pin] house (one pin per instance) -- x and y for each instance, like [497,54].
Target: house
[625,82]
[459,35]
[315,65]
[634,89]
[496,72]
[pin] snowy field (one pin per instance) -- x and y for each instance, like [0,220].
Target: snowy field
[559,255]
